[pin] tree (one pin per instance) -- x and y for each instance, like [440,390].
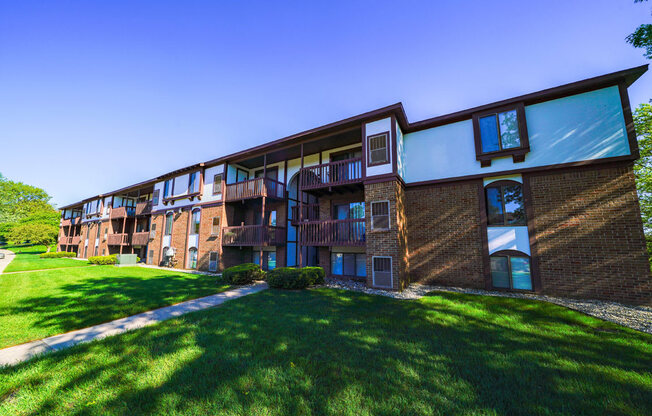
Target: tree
[643,168]
[642,37]
[41,234]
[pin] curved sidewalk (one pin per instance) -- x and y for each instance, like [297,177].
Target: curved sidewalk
[19,353]
[9,256]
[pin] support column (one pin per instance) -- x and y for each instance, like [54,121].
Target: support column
[300,215]
[262,218]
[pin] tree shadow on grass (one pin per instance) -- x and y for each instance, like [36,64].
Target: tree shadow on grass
[337,352]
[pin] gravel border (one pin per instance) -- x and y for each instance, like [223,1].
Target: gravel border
[635,317]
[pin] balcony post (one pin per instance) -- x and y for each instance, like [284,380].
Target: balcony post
[124,224]
[300,196]
[262,217]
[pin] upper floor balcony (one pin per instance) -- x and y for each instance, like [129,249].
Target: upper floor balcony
[310,212]
[253,235]
[65,222]
[140,238]
[349,232]
[144,208]
[70,241]
[123,239]
[327,175]
[255,188]
[122,212]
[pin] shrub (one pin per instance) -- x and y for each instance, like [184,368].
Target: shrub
[102,260]
[243,274]
[58,255]
[315,275]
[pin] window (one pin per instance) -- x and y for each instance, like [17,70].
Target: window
[378,151]
[349,264]
[192,258]
[505,203]
[511,270]
[380,215]
[106,231]
[217,185]
[150,257]
[196,220]
[382,271]
[213,261]
[241,175]
[268,260]
[193,184]
[215,228]
[501,132]
[351,210]
[167,188]
[155,197]
[169,219]
[96,249]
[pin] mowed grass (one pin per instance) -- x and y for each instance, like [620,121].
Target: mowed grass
[27,258]
[331,352]
[35,305]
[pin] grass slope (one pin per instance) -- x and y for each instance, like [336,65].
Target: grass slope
[332,352]
[39,304]
[26,262]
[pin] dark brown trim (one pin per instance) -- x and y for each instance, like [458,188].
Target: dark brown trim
[605,161]
[393,137]
[364,151]
[517,153]
[385,177]
[486,267]
[532,234]
[629,121]
[499,184]
[388,137]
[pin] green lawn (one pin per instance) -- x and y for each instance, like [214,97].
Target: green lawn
[331,352]
[28,248]
[27,258]
[39,304]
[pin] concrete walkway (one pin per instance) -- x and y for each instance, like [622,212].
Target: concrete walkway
[23,352]
[9,256]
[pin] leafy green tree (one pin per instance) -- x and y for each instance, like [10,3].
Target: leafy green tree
[34,233]
[643,168]
[642,37]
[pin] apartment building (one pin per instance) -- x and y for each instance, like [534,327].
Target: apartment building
[535,193]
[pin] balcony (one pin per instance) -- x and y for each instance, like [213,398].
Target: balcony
[119,239]
[122,212]
[144,208]
[75,240]
[349,232]
[310,213]
[327,175]
[64,241]
[255,188]
[140,238]
[253,235]
[70,221]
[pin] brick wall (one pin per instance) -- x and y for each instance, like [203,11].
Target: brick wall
[207,241]
[444,234]
[179,239]
[589,235]
[154,245]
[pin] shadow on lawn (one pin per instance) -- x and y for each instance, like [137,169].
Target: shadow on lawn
[335,352]
[101,299]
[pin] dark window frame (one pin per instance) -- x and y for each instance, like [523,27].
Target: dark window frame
[195,227]
[517,153]
[387,150]
[165,223]
[219,225]
[500,184]
[509,254]
[355,264]
[389,219]
[218,191]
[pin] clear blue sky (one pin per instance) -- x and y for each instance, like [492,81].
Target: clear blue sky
[99,95]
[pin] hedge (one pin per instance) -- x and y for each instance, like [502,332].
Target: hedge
[293,278]
[102,260]
[243,274]
[57,255]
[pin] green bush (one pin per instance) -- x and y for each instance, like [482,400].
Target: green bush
[102,260]
[315,275]
[58,255]
[243,274]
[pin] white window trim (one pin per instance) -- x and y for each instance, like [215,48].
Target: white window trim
[389,217]
[391,272]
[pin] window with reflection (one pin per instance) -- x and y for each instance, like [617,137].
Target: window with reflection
[499,131]
[511,271]
[169,219]
[505,204]
[196,220]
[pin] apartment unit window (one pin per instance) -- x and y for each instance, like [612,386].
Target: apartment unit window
[268,260]
[155,197]
[351,210]
[167,188]
[213,261]
[169,219]
[505,203]
[382,271]
[380,215]
[96,250]
[511,270]
[378,149]
[150,257]
[193,183]
[192,258]
[106,231]
[103,251]
[349,264]
[215,227]
[501,132]
[217,185]
[194,226]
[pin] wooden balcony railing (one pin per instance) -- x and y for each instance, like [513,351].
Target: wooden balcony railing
[75,240]
[255,188]
[121,212]
[119,239]
[253,235]
[70,221]
[140,238]
[64,241]
[333,233]
[310,213]
[144,208]
[342,172]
